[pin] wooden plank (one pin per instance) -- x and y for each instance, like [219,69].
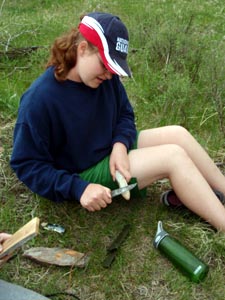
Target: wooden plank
[25,233]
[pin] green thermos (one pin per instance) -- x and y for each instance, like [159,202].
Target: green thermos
[180,256]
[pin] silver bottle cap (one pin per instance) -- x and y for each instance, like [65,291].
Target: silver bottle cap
[160,234]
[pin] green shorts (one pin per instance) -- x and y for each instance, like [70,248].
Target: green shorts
[100,174]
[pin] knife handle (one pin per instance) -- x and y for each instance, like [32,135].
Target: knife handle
[110,257]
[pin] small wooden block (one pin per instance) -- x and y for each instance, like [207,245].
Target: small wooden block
[20,237]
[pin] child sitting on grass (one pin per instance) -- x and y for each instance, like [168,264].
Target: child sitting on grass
[76,127]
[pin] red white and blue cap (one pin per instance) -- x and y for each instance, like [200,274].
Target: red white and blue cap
[110,36]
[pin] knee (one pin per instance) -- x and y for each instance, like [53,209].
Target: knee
[180,132]
[177,155]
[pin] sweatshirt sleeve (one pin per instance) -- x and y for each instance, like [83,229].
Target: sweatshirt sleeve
[125,131]
[32,162]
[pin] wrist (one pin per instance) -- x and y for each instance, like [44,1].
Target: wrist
[119,145]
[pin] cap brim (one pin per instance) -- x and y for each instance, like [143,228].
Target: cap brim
[123,64]
[115,64]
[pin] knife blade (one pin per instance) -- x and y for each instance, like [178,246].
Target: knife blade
[122,190]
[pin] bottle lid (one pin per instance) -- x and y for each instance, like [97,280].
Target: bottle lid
[160,234]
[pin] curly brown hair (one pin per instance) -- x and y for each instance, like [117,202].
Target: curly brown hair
[63,53]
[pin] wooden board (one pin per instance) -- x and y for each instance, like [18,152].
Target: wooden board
[20,237]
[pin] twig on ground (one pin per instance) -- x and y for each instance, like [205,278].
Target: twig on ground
[3,2]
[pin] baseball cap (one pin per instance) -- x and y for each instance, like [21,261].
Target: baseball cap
[110,36]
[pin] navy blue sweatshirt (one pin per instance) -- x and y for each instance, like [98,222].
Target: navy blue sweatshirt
[63,128]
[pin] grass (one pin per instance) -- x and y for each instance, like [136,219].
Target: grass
[177,59]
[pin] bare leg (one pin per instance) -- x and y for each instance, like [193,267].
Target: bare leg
[150,163]
[180,136]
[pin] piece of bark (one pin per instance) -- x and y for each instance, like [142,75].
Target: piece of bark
[57,256]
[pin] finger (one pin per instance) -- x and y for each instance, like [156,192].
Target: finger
[103,204]
[108,196]
[91,208]
[96,206]
[113,171]
[107,199]
[127,175]
[4,236]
